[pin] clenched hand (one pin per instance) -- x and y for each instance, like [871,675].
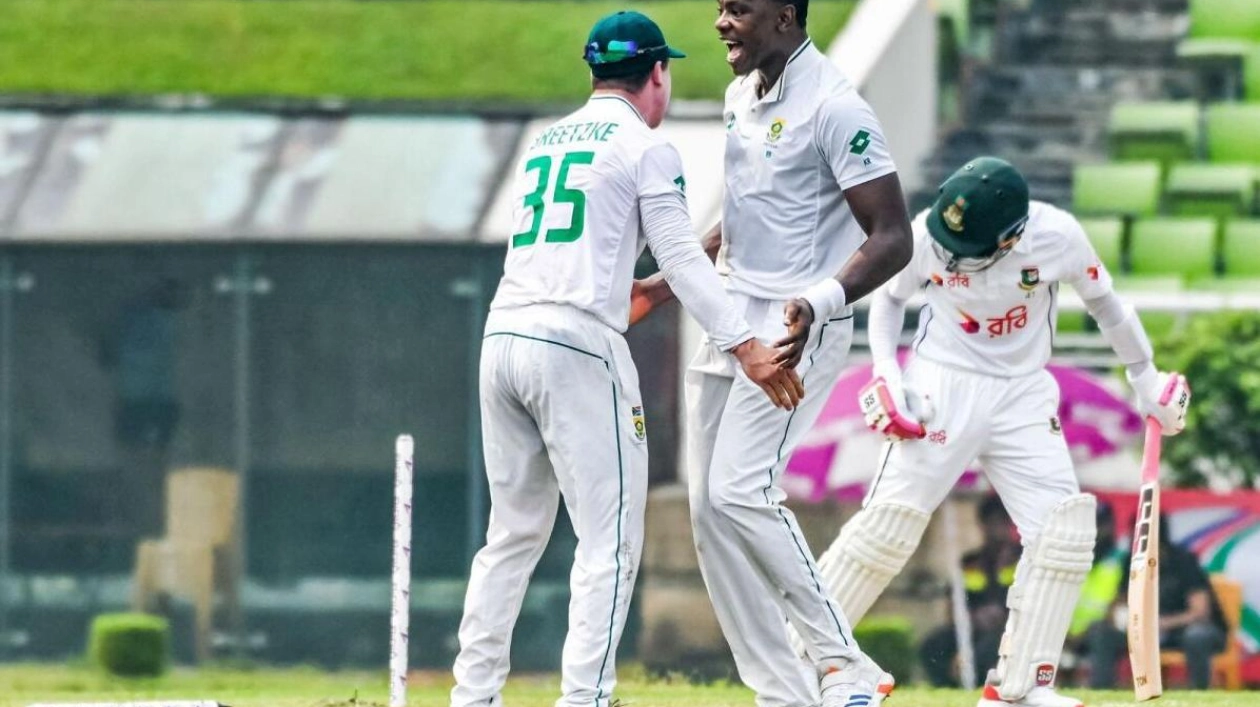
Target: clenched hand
[798,316]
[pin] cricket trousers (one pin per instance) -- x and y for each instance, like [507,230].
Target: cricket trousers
[561,417]
[756,565]
[1009,425]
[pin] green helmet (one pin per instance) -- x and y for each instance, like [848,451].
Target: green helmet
[979,208]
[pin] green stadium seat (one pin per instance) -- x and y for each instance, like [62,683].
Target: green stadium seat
[1118,188]
[1221,38]
[1232,134]
[1173,247]
[1240,249]
[1156,323]
[1198,189]
[1166,131]
[1107,237]
[1239,19]
[1228,285]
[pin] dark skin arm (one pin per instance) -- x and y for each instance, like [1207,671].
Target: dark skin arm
[880,209]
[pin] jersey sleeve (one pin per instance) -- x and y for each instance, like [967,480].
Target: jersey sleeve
[910,279]
[850,139]
[1084,270]
[666,225]
[661,172]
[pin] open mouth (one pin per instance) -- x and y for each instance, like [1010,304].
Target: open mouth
[734,51]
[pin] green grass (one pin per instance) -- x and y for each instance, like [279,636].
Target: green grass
[410,49]
[25,684]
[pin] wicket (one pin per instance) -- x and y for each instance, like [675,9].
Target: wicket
[400,605]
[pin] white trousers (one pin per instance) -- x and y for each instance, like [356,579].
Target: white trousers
[758,569]
[561,416]
[1009,425]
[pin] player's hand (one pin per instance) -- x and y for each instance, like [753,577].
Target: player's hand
[798,317]
[1163,396]
[884,405]
[645,294]
[782,385]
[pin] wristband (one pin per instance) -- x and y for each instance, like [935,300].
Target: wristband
[826,298]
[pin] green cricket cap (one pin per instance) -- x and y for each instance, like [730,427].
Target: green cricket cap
[626,43]
[978,206]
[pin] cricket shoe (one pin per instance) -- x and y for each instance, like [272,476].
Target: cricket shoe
[1036,697]
[863,684]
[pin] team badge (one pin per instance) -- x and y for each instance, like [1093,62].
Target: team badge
[640,425]
[1029,278]
[776,130]
[953,215]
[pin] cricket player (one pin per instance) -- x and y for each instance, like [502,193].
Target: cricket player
[991,263]
[560,404]
[813,219]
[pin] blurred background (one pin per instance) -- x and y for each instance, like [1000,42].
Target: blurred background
[246,243]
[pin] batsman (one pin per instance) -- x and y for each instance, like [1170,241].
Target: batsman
[976,388]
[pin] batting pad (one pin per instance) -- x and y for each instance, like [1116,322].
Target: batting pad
[1047,587]
[869,551]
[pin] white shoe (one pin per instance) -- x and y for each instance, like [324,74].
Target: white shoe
[1036,697]
[862,685]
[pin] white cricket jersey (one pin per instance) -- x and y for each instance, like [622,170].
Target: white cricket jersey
[1000,321]
[575,195]
[789,157]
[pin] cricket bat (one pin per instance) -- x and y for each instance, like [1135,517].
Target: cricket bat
[1144,575]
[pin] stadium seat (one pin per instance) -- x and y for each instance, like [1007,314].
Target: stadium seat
[1240,249]
[1169,246]
[1198,189]
[1156,324]
[1107,237]
[1227,285]
[1166,131]
[1220,41]
[1116,189]
[1237,19]
[1231,132]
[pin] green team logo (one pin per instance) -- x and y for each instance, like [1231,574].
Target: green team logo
[776,130]
[682,183]
[860,142]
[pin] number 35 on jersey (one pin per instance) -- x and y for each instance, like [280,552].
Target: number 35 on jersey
[551,192]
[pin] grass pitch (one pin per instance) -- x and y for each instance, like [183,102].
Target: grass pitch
[21,685]
[387,49]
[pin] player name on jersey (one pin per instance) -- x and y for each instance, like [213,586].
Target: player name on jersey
[566,133]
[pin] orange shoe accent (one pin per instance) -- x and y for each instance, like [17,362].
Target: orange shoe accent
[991,693]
